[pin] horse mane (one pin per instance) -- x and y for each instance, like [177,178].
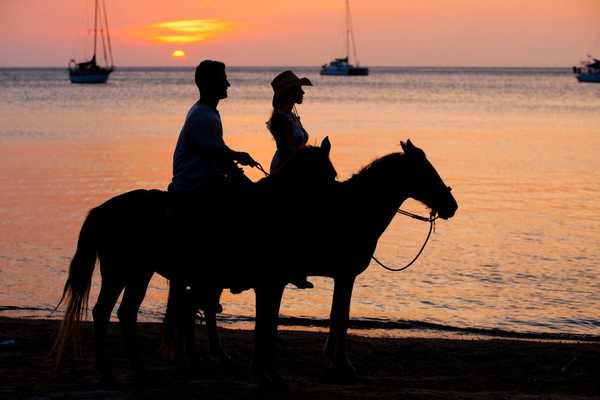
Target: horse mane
[378,170]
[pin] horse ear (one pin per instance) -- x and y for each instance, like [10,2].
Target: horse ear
[410,144]
[404,146]
[326,145]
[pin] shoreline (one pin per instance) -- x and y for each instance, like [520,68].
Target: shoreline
[414,368]
[367,327]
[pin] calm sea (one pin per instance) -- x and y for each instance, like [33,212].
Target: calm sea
[520,147]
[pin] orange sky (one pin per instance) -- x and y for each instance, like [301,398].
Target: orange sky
[308,32]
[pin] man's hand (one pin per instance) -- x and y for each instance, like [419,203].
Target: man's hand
[245,159]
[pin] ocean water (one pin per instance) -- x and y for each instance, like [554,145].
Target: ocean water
[520,147]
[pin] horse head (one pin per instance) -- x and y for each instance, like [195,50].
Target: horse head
[310,167]
[426,184]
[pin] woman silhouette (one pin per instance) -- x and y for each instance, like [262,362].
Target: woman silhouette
[288,132]
[284,124]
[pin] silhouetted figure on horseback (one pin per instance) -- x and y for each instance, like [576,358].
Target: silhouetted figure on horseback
[204,174]
[202,162]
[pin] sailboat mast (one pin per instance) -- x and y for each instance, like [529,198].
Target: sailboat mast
[107,33]
[95,25]
[103,34]
[352,36]
[347,29]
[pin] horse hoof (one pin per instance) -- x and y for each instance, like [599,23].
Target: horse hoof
[340,375]
[168,352]
[272,382]
[141,378]
[184,366]
[221,358]
[109,382]
[226,365]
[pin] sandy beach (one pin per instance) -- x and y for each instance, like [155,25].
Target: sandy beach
[388,368]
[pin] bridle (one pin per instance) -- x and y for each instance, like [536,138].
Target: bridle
[431,219]
[260,168]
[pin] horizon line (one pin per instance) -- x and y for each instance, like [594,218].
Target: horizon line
[295,66]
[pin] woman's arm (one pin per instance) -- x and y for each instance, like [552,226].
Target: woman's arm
[281,128]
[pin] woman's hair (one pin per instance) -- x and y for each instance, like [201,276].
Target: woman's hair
[282,97]
[278,124]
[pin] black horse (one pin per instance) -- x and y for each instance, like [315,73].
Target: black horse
[141,232]
[337,223]
[339,233]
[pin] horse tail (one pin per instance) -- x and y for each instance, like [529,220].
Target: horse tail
[77,287]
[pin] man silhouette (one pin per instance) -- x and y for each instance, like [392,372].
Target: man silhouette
[204,167]
[201,161]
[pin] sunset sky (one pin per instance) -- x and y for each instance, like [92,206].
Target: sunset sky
[306,33]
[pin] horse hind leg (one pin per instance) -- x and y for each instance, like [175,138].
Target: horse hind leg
[268,302]
[340,370]
[211,309]
[110,290]
[178,327]
[135,291]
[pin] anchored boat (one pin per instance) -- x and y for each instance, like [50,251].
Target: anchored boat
[342,66]
[588,70]
[90,71]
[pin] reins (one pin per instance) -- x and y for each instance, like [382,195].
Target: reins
[431,219]
[261,169]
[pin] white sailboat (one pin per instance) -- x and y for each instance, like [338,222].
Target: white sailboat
[342,66]
[90,71]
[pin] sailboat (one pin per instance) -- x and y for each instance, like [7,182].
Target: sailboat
[588,70]
[342,66]
[90,71]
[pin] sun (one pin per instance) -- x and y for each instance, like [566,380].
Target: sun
[178,54]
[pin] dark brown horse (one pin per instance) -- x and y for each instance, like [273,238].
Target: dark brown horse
[339,233]
[257,245]
[141,232]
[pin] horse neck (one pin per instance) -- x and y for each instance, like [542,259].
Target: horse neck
[378,191]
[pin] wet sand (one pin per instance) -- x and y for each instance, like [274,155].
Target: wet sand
[388,368]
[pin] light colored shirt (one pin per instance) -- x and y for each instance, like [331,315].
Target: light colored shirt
[202,131]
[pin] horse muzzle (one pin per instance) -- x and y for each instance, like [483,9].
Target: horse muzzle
[448,207]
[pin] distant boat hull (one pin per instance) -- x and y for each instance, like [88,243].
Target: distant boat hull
[588,71]
[352,71]
[93,77]
[588,77]
[341,67]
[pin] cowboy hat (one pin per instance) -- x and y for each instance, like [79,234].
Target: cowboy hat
[286,80]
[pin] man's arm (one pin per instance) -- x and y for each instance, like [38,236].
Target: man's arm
[211,146]
[240,156]
[227,155]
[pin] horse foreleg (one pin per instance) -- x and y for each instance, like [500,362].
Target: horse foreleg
[268,302]
[340,369]
[128,310]
[215,348]
[109,293]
